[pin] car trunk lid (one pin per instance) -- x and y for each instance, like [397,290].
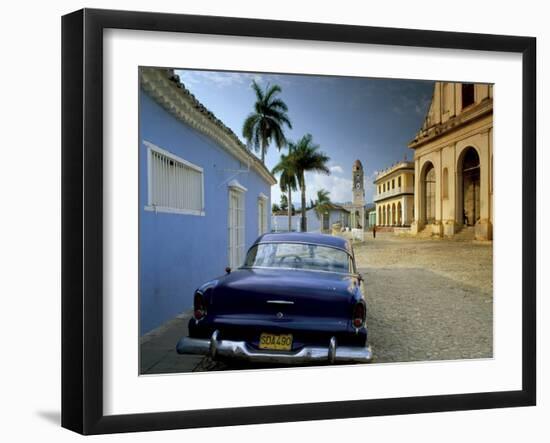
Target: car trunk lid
[272,294]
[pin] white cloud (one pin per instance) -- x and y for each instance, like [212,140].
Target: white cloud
[340,188]
[223,79]
[336,168]
[219,79]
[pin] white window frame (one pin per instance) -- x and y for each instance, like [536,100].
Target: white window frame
[237,190]
[152,207]
[262,213]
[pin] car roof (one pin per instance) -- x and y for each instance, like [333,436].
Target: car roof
[306,237]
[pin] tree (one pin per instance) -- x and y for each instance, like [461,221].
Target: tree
[265,124]
[284,202]
[275,207]
[307,157]
[322,204]
[287,182]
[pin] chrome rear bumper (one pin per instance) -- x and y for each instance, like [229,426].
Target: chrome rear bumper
[241,351]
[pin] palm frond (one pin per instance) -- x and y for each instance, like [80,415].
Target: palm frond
[279,137]
[248,128]
[322,203]
[278,104]
[323,196]
[279,117]
[258,91]
[265,124]
[284,119]
[271,91]
[286,168]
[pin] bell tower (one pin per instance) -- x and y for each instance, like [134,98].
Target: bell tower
[358,184]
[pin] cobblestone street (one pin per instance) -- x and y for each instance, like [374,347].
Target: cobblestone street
[428,299]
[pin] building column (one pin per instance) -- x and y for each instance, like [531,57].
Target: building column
[437,227]
[483,229]
[416,226]
[404,211]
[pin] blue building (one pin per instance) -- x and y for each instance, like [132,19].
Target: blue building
[203,197]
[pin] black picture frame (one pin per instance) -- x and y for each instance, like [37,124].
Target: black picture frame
[82,220]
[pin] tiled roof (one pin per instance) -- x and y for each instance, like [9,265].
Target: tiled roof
[196,105]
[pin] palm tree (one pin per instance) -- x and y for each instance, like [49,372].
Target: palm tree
[265,124]
[287,181]
[284,202]
[322,203]
[307,157]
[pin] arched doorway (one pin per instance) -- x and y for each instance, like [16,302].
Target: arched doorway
[393,214]
[428,193]
[470,187]
[399,214]
[387,215]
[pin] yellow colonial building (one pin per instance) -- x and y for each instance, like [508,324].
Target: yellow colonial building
[453,158]
[394,197]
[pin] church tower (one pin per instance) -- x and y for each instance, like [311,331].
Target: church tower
[358,184]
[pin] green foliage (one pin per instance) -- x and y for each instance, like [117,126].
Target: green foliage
[322,203]
[284,202]
[287,182]
[287,170]
[265,124]
[306,157]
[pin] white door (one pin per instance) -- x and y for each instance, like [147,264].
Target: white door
[236,228]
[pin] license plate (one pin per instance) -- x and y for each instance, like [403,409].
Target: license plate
[281,342]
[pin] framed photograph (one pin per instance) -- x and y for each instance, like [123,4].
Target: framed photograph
[269,221]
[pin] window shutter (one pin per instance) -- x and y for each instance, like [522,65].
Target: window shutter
[175,185]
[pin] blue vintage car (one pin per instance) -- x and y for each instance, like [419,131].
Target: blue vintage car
[297,299]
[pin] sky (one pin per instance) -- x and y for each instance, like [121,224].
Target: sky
[350,118]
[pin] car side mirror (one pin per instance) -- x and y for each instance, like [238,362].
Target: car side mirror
[228,270]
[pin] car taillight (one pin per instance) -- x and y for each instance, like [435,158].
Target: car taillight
[358,318]
[199,306]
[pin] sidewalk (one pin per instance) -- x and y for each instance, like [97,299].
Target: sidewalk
[158,348]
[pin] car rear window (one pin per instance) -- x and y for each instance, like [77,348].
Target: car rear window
[298,256]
